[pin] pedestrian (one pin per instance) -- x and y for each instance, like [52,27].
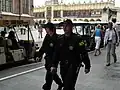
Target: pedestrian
[102,36]
[70,52]
[40,30]
[115,26]
[48,47]
[98,37]
[2,38]
[4,43]
[21,30]
[111,40]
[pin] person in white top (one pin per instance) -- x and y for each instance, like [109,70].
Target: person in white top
[111,39]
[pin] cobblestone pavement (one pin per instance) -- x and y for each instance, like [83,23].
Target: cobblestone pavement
[100,77]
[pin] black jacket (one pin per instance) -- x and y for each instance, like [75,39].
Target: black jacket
[72,50]
[48,48]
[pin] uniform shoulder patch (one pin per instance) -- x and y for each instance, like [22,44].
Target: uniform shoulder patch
[81,43]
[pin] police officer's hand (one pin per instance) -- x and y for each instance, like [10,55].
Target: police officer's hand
[53,69]
[87,71]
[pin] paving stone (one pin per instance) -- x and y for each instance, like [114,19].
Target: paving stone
[100,77]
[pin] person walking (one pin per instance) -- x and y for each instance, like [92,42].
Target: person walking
[48,47]
[111,40]
[98,37]
[70,52]
[40,30]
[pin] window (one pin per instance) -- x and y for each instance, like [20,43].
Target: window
[6,5]
[3,5]
[49,10]
[56,14]
[16,7]
[25,6]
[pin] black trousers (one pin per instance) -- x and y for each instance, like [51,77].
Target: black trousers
[69,75]
[49,79]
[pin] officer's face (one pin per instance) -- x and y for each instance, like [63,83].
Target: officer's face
[67,28]
[48,31]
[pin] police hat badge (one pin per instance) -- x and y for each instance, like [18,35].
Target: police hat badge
[51,44]
[70,47]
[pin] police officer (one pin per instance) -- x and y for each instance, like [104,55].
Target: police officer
[48,48]
[70,52]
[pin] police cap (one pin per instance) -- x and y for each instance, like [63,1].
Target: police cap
[68,22]
[49,25]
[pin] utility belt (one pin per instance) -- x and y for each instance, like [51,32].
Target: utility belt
[67,62]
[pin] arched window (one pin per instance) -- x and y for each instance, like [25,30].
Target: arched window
[92,20]
[86,20]
[59,20]
[80,19]
[55,20]
[98,20]
[44,21]
[74,19]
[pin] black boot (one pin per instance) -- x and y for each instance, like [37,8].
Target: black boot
[60,87]
[45,87]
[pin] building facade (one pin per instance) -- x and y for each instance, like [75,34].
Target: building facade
[76,12]
[16,10]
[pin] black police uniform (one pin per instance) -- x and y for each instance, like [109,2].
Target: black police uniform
[48,47]
[71,52]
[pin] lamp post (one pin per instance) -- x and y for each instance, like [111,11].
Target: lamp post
[19,10]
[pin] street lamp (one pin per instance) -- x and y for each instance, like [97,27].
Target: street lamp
[19,10]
